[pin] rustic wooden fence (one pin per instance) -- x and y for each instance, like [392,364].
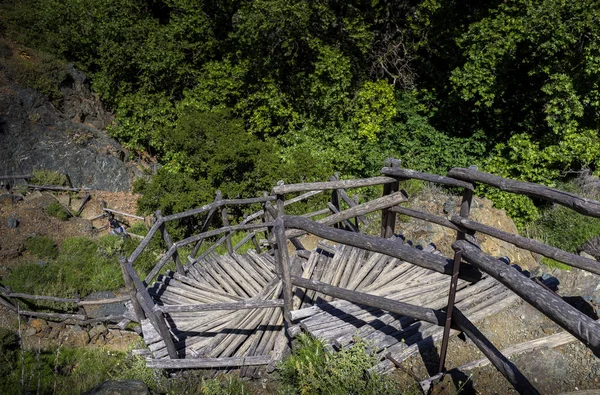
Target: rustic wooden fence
[341,225]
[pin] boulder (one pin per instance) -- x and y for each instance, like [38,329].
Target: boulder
[422,233]
[97,332]
[121,387]
[75,336]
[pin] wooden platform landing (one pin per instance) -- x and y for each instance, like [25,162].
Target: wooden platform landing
[257,334]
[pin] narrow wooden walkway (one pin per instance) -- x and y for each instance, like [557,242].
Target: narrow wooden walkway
[259,332]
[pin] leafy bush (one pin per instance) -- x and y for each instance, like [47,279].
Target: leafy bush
[56,210]
[42,246]
[312,369]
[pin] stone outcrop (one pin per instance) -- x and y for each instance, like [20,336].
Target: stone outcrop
[70,138]
[423,233]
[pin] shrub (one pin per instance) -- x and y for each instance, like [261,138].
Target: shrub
[312,369]
[56,210]
[48,177]
[42,246]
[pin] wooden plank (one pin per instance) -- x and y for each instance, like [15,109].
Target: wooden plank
[590,265]
[407,174]
[547,302]
[204,363]
[581,205]
[108,210]
[387,247]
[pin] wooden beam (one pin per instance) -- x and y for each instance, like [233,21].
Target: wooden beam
[388,247]
[108,210]
[169,242]
[436,219]
[321,186]
[547,302]
[407,174]
[420,313]
[56,188]
[217,204]
[244,305]
[590,265]
[204,363]
[16,177]
[581,205]
[361,209]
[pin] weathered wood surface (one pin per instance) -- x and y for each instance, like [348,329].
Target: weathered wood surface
[108,210]
[203,363]
[16,177]
[388,247]
[547,302]
[436,219]
[55,188]
[329,185]
[581,205]
[218,204]
[591,265]
[417,175]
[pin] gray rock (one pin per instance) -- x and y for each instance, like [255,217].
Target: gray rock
[34,135]
[99,311]
[122,387]
[13,222]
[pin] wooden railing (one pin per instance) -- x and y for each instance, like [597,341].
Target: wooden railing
[342,226]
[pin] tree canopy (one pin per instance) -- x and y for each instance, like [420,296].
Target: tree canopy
[235,95]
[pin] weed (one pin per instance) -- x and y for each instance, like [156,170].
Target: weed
[312,369]
[48,177]
[35,117]
[56,210]
[42,246]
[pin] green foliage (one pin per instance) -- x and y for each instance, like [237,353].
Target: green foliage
[56,210]
[42,246]
[82,267]
[48,177]
[311,369]
[564,228]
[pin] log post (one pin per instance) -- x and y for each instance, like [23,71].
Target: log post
[207,221]
[465,210]
[137,309]
[156,317]
[335,198]
[388,218]
[169,242]
[283,260]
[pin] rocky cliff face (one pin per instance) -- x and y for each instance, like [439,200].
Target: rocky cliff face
[70,138]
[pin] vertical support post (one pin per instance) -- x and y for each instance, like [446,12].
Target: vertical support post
[335,198]
[256,243]
[209,218]
[465,210]
[283,260]
[267,216]
[156,317]
[228,236]
[169,242]
[137,308]
[388,218]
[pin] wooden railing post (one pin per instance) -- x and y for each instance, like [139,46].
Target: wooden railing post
[465,210]
[129,285]
[169,242]
[225,219]
[283,261]
[151,312]
[207,221]
[388,218]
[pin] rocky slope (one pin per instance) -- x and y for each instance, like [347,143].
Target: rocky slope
[69,137]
